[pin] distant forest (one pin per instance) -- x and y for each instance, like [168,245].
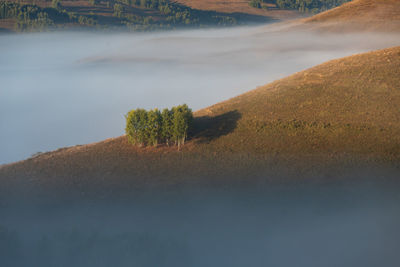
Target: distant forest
[137,15]
[130,14]
[304,6]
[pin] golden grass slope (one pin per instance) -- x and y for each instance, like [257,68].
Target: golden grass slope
[341,90]
[345,105]
[359,15]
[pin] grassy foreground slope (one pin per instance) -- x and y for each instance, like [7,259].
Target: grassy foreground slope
[343,109]
[359,15]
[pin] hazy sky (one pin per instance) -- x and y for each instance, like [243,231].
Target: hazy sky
[63,89]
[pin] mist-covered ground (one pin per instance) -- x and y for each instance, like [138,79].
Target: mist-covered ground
[63,89]
[347,224]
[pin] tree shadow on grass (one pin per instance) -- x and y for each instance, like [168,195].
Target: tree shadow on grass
[206,128]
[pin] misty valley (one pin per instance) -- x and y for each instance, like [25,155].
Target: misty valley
[160,133]
[337,223]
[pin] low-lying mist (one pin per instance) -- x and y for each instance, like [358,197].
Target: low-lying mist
[62,89]
[353,223]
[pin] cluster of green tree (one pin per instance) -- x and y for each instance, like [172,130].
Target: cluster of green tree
[34,18]
[27,16]
[9,10]
[177,14]
[312,6]
[40,22]
[154,127]
[118,10]
[167,15]
[173,14]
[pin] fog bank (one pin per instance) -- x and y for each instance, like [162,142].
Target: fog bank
[305,225]
[63,89]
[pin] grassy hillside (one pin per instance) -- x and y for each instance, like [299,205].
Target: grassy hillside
[347,105]
[359,15]
[336,113]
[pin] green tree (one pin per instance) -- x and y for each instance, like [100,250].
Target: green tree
[182,120]
[167,125]
[118,10]
[153,127]
[136,123]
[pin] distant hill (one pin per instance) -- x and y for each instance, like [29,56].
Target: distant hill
[138,15]
[359,15]
[143,15]
[343,109]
